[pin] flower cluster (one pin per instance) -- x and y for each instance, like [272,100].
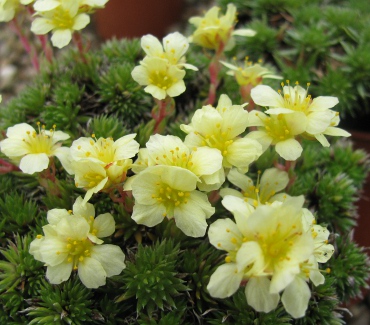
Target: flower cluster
[292,113]
[71,242]
[161,69]
[274,248]
[101,163]
[273,245]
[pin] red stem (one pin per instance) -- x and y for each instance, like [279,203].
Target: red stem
[7,167]
[26,44]
[77,39]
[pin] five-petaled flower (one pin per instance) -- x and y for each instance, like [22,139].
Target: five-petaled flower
[32,149]
[71,241]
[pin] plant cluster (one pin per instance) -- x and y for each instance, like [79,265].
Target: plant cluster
[210,210]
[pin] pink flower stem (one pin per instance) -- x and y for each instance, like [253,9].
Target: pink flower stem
[214,69]
[77,39]
[165,108]
[26,44]
[46,47]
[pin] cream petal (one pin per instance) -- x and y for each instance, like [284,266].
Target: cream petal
[241,211]
[235,121]
[176,89]
[324,253]
[91,273]
[94,190]
[264,95]
[323,102]
[206,161]
[262,137]
[64,156]
[126,147]
[14,147]
[42,26]
[105,225]
[83,210]
[34,163]
[140,75]
[53,251]
[191,217]
[55,215]
[230,191]
[238,179]
[74,227]
[296,297]
[110,257]
[148,215]
[178,178]
[242,152]
[318,121]
[289,149]
[250,253]
[225,281]
[143,186]
[337,132]
[44,6]
[151,45]
[81,21]
[19,131]
[258,295]
[175,45]
[59,273]
[322,139]
[283,277]
[221,233]
[61,38]
[156,92]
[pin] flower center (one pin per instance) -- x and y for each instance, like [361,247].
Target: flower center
[176,157]
[219,139]
[277,245]
[91,179]
[40,142]
[62,18]
[161,79]
[295,100]
[169,197]
[277,128]
[78,250]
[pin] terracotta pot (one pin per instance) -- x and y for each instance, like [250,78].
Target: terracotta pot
[134,18]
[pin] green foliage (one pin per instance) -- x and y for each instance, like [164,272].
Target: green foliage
[350,267]
[16,213]
[153,278]
[68,303]
[19,271]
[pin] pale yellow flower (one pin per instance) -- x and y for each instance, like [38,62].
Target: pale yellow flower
[214,31]
[160,78]
[32,149]
[279,130]
[265,246]
[320,119]
[9,8]
[173,49]
[250,74]
[220,128]
[72,241]
[169,191]
[62,17]
[100,163]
